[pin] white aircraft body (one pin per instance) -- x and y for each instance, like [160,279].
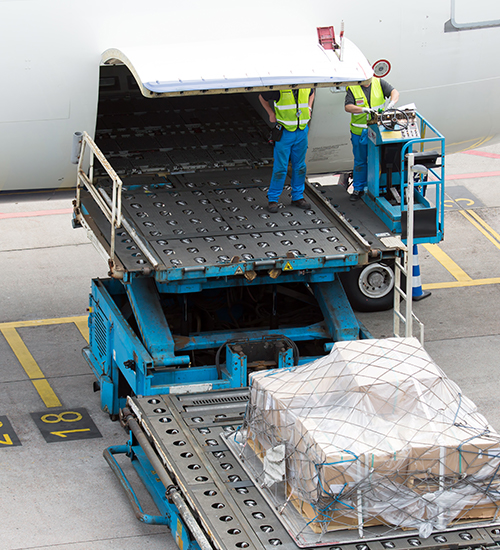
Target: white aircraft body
[439,54]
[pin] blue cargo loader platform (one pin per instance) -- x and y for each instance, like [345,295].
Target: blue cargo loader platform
[205,284]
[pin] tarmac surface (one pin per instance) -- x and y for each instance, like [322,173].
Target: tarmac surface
[58,492]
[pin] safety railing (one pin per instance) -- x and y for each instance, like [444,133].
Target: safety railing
[431,177]
[111,207]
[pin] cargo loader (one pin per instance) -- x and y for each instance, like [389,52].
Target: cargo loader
[207,289]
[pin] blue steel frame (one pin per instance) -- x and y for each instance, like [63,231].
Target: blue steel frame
[169,514]
[157,363]
[391,215]
[201,273]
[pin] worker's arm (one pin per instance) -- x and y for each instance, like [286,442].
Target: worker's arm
[311,100]
[267,107]
[353,109]
[394,99]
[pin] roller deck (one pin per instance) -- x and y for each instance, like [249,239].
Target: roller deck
[216,224]
[195,173]
[192,434]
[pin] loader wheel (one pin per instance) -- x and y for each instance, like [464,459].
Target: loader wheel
[370,288]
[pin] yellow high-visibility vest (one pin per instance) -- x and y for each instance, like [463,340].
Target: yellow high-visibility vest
[359,120]
[291,114]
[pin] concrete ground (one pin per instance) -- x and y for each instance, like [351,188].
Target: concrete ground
[61,494]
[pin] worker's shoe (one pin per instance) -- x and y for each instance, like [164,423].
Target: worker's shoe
[356,195]
[272,207]
[302,203]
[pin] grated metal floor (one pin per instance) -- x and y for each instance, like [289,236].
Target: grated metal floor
[193,434]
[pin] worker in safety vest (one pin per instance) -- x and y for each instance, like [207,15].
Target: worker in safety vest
[292,110]
[362,101]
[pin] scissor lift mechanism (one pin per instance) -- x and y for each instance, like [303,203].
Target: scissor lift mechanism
[220,237]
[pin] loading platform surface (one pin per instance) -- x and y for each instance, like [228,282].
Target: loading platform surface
[214,222]
[193,435]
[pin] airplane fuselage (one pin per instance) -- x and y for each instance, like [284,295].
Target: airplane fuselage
[441,58]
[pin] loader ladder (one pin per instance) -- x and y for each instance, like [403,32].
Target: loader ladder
[406,267]
[404,321]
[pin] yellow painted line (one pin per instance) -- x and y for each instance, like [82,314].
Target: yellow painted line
[480,221]
[83,326]
[447,263]
[46,393]
[42,322]
[481,141]
[461,284]
[479,227]
[30,366]
[27,361]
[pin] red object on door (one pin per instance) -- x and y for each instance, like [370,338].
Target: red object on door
[326,37]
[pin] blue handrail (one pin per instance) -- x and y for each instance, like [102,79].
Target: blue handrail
[437,172]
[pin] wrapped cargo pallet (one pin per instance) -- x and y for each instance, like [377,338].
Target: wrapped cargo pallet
[374,434]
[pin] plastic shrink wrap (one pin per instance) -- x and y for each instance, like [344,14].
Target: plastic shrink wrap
[376,433]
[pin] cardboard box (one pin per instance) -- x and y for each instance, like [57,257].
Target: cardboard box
[335,518]
[317,468]
[464,459]
[347,510]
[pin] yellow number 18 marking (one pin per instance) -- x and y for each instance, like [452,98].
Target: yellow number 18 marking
[53,418]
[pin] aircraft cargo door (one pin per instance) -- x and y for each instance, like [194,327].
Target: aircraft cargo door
[218,67]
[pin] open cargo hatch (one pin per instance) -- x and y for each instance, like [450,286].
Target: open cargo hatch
[214,67]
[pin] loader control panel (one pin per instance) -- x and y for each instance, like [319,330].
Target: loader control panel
[394,125]
[392,135]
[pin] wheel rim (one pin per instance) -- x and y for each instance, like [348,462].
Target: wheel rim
[376,280]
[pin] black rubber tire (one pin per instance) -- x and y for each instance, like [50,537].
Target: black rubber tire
[363,301]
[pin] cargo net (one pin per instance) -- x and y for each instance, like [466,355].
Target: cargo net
[374,434]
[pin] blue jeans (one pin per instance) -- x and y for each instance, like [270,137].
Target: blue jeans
[291,147]
[360,152]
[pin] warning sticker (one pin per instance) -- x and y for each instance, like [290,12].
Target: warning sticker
[288,267]
[239,271]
